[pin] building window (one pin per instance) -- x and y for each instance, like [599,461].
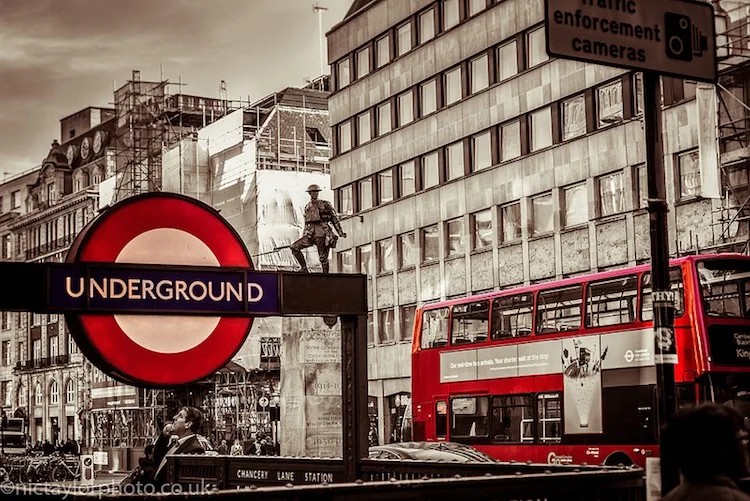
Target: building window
[403,39]
[481,229]
[384,119]
[5,393]
[385,186]
[536,50]
[72,346]
[576,205]
[346,197]
[5,322]
[641,189]
[407,322]
[452,90]
[430,172]
[427,25]
[476,6]
[541,128]
[541,209]
[365,194]
[510,139]
[370,330]
[70,394]
[54,393]
[609,103]
[364,253]
[7,246]
[5,353]
[383,48]
[688,166]
[386,326]
[342,73]
[38,397]
[428,98]
[53,346]
[574,117]
[15,200]
[36,346]
[363,62]
[345,137]
[638,92]
[1,205]
[407,180]
[385,256]
[430,244]
[480,76]
[407,250]
[50,192]
[21,396]
[481,151]
[611,194]
[507,61]
[364,133]
[454,237]
[405,108]
[455,158]
[510,216]
[451,14]
[346,261]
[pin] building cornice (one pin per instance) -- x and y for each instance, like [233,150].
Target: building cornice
[90,193]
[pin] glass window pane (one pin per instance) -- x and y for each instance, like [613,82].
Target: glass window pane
[365,259]
[434,328]
[455,237]
[403,39]
[407,322]
[541,208]
[511,222]
[507,61]
[541,128]
[405,108]
[675,285]
[430,172]
[559,309]
[609,103]
[343,73]
[482,229]
[426,26]
[611,302]
[611,194]
[428,97]
[476,6]
[511,316]
[688,165]
[407,246]
[385,256]
[430,244]
[469,417]
[452,88]
[408,180]
[363,62]
[574,117]
[480,78]
[384,119]
[345,137]
[482,151]
[384,50]
[642,181]
[347,200]
[385,186]
[537,52]
[470,322]
[455,158]
[346,261]
[365,194]
[370,329]
[363,128]
[510,147]
[386,326]
[638,91]
[450,13]
[576,205]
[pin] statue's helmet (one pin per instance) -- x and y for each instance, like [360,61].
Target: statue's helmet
[313,187]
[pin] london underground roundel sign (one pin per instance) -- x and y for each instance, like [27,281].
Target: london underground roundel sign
[159,349]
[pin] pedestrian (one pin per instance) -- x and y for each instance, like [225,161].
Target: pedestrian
[236,449]
[184,427]
[223,449]
[708,444]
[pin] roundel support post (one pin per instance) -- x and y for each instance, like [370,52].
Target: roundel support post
[354,392]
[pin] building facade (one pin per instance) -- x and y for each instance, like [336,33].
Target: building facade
[471,162]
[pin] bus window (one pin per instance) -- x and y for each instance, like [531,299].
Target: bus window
[612,302]
[511,316]
[724,287]
[434,328]
[441,419]
[549,417]
[469,417]
[512,419]
[675,281]
[559,309]
[470,322]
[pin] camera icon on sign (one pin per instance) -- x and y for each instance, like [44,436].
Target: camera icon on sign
[684,40]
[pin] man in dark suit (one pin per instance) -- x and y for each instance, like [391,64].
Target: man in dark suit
[185,426]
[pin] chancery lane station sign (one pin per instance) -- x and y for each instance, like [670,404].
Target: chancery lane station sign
[160,291]
[672,37]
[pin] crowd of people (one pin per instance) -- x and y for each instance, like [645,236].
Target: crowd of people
[47,448]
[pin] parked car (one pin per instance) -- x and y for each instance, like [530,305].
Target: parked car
[430,451]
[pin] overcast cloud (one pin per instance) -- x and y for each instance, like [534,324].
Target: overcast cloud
[60,56]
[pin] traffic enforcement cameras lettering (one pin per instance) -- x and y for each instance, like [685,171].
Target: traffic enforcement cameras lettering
[683,38]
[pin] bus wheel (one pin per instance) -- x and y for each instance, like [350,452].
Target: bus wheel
[618,458]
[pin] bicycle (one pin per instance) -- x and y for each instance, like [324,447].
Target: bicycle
[66,467]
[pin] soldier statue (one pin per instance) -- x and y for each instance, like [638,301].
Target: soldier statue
[318,213]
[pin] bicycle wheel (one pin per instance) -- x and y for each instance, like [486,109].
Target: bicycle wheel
[59,473]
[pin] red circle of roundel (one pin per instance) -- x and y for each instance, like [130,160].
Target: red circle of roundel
[100,336]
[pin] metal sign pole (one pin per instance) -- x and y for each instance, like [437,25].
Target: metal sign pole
[665,353]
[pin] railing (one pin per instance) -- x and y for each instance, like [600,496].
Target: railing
[60,243]
[42,363]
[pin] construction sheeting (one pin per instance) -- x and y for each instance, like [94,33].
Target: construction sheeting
[708,145]
[223,134]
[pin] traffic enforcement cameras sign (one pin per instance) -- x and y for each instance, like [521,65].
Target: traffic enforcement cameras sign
[671,37]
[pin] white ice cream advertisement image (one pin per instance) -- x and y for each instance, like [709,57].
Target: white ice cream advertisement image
[582,383]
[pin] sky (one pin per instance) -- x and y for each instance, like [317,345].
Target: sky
[58,57]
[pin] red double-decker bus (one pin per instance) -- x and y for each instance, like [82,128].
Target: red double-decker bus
[563,372]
